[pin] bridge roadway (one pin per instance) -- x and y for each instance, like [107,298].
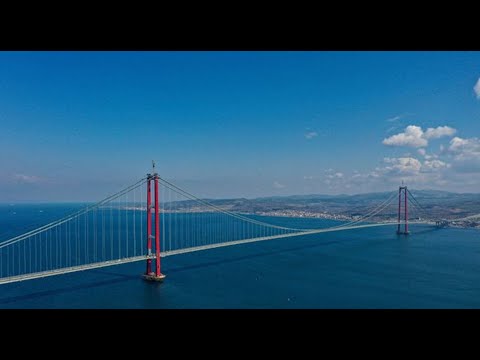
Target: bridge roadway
[97,265]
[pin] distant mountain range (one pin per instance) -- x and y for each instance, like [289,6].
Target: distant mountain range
[435,203]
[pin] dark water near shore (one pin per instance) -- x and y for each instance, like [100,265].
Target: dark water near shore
[366,268]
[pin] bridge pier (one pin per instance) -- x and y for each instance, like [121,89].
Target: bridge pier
[402,189]
[149,274]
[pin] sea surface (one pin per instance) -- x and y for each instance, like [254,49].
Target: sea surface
[366,268]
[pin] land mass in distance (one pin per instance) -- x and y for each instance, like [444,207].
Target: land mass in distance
[434,205]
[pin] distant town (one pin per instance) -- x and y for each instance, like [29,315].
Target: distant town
[437,205]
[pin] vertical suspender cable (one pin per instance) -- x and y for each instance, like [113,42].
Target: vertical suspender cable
[111,231]
[162,193]
[134,225]
[24,258]
[142,239]
[118,229]
[126,226]
[169,217]
[103,234]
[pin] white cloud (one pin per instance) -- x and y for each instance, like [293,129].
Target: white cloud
[426,174]
[454,166]
[426,156]
[403,165]
[398,117]
[413,136]
[434,165]
[395,118]
[334,179]
[337,175]
[464,149]
[457,143]
[435,133]
[476,88]
[311,134]
[277,185]
[26,178]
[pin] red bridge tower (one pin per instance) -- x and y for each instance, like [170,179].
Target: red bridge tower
[149,274]
[402,189]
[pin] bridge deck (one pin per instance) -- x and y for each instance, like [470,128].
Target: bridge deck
[97,265]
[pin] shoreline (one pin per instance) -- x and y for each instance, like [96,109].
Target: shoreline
[346,218]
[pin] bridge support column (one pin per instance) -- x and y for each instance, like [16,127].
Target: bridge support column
[149,223]
[402,189]
[399,208]
[406,210]
[150,275]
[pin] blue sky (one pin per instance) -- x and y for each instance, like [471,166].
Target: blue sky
[76,126]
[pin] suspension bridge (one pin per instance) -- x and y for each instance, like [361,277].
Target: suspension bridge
[129,226]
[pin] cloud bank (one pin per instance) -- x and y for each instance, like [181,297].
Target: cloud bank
[476,88]
[414,136]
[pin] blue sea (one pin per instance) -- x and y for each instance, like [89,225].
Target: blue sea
[366,268]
